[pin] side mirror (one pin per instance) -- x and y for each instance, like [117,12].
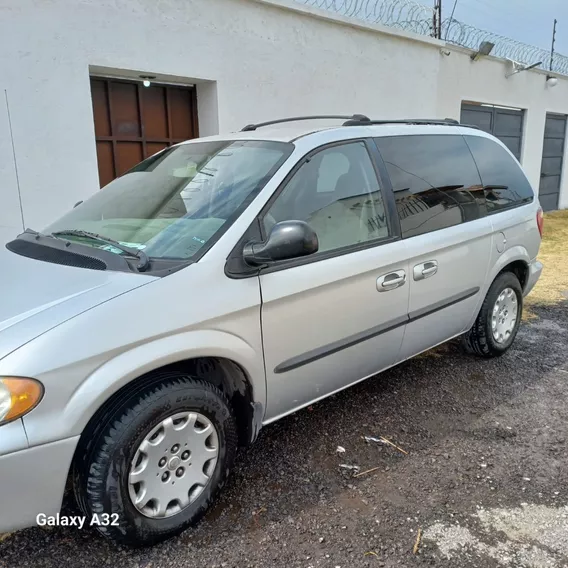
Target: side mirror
[288,239]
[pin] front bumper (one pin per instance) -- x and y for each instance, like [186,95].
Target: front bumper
[32,481]
[535,270]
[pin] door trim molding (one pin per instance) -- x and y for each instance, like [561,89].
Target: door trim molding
[351,340]
[433,308]
[339,345]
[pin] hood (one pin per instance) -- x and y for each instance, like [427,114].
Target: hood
[37,296]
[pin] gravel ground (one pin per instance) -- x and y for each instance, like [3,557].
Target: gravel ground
[484,479]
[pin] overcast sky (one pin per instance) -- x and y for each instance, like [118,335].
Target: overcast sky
[529,21]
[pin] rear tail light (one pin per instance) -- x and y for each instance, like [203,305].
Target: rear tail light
[540,220]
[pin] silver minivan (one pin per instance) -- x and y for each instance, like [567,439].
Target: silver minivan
[226,282]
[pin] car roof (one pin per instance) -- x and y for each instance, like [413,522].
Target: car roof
[286,133]
[290,132]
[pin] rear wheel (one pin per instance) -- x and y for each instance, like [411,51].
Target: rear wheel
[499,319]
[158,463]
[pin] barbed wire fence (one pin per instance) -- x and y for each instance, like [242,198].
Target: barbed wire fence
[410,16]
[458,33]
[403,14]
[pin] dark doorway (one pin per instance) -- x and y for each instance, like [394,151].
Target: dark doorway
[552,156]
[133,122]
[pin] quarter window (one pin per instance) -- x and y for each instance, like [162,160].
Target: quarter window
[337,193]
[505,183]
[435,182]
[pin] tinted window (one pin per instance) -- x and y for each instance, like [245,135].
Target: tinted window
[435,181]
[337,193]
[506,184]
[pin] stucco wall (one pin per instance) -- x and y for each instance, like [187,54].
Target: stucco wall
[251,60]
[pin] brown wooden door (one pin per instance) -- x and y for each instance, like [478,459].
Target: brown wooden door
[133,122]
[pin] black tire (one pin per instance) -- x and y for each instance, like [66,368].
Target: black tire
[100,478]
[479,339]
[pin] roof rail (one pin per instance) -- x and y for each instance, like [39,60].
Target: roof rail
[355,118]
[438,121]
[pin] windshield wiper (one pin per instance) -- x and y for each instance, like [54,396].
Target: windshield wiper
[139,254]
[35,233]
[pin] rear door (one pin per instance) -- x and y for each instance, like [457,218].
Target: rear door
[441,206]
[338,316]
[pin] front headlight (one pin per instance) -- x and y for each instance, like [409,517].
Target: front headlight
[17,397]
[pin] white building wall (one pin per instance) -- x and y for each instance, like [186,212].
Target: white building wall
[251,60]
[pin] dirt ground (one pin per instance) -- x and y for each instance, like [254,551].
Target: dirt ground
[551,287]
[482,475]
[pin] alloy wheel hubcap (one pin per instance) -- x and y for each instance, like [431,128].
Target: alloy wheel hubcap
[173,464]
[504,315]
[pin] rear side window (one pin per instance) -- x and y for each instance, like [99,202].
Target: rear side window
[505,183]
[435,182]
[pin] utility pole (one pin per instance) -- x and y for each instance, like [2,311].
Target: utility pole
[553,40]
[435,19]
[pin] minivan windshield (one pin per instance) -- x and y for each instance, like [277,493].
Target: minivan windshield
[175,202]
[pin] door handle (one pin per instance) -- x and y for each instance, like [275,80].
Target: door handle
[391,281]
[425,270]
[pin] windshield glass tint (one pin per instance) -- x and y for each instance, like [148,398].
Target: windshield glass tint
[173,203]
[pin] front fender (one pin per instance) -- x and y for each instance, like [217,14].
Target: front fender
[70,418]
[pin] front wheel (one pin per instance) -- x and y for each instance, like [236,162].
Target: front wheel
[158,463]
[499,319]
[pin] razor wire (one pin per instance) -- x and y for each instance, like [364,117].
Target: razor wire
[458,33]
[410,16]
[403,14]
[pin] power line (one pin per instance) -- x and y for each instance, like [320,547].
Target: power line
[451,18]
[453,10]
